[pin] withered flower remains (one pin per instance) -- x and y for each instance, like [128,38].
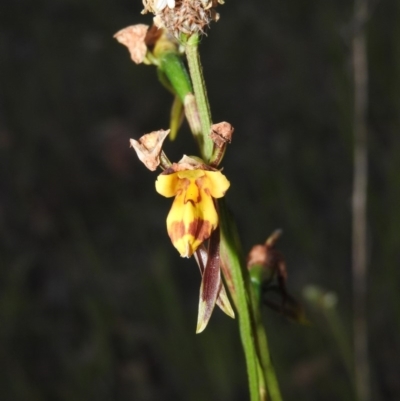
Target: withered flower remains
[182,16]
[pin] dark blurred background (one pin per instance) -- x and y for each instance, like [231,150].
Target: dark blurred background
[95,303]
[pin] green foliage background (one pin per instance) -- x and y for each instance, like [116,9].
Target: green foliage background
[95,304]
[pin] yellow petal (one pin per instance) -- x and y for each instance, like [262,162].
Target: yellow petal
[207,208]
[188,184]
[217,183]
[192,192]
[190,223]
[167,184]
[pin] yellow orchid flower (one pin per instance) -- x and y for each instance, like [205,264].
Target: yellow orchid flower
[192,217]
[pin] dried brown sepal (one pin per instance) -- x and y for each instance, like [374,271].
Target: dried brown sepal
[149,147]
[221,133]
[188,163]
[133,37]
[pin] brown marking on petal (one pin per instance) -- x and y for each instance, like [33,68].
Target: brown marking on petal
[200,182]
[200,229]
[176,231]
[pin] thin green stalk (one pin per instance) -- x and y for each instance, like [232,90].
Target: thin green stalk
[229,252]
[230,255]
[261,375]
[200,92]
[270,377]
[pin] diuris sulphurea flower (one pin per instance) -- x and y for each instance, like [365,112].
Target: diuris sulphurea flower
[193,216]
[193,219]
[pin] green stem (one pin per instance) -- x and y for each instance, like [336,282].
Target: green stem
[200,92]
[248,308]
[268,370]
[261,375]
[230,255]
[270,377]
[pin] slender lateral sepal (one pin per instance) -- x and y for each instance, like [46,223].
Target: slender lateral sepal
[201,256]
[210,283]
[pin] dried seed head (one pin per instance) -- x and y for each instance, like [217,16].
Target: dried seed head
[156,6]
[182,16]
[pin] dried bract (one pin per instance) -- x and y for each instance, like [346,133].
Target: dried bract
[149,148]
[133,37]
[221,133]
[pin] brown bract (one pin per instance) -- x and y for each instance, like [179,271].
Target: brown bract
[133,37]
[149,147]
[268,256]
[221,133]
[257,256]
